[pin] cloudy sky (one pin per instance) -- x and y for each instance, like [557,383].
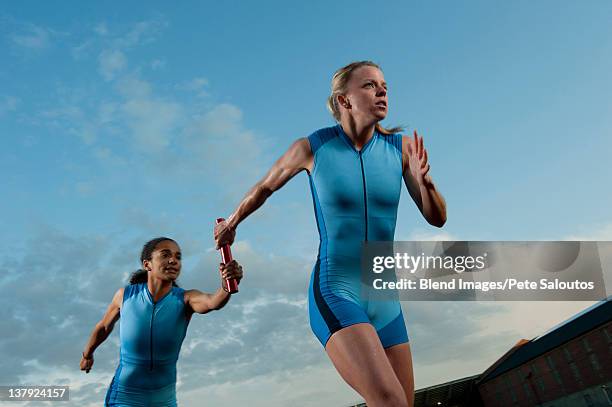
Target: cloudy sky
[120,123]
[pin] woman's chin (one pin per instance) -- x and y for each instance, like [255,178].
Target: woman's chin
[380,116]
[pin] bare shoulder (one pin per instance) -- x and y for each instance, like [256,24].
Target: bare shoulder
[303,143]
[300,153]
[301,147]
[118,297]
[297,158]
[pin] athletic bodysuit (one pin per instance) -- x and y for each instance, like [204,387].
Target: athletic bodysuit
[151,335]
[355,196]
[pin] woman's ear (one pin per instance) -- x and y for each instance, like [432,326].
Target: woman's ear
[343,101]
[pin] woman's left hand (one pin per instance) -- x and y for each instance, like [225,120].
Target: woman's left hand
[231,270]
[417,160]
[86,363]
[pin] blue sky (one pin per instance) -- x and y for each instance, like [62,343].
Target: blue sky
[123,122]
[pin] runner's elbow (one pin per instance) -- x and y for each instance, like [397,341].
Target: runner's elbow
[264,190]
[219,305]
[437,221]
[104,328]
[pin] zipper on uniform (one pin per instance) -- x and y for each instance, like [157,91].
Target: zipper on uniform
[151,339]
[365,196]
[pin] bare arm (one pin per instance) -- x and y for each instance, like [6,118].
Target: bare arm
[202,303]
[297,158]
[102,330]
[421,187]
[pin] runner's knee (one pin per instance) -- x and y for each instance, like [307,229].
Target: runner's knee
[389,397]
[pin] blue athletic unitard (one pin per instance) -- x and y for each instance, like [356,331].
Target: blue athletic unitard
[355,196]
[151,335]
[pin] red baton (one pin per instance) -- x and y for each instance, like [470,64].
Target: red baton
[231,284]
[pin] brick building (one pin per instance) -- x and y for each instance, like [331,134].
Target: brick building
[570,366]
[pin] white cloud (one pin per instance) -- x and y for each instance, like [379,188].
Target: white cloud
[117,43]
[137,219]
[182,139]
[70,112]
[8,104]
[158,64]
[134,88]
[196,85]
[84,188]
[222,121]
[101,29]
[422,235]
[153,120]
[528,319]
[81,50]
[224,149]
[107,112]
[111,63]
[74,121]
[108,158]
[86,132]
[32,37]
[141,33]
[603,233]
[310,386]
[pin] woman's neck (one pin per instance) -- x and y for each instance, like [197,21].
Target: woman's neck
[158,288]
[359,133]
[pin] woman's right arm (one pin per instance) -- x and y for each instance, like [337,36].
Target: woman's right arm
[102,330]
[297,158]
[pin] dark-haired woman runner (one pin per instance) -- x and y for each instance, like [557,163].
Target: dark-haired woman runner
[154,314]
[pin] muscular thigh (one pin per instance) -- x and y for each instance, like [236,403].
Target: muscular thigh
[358,355]
[400,358]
